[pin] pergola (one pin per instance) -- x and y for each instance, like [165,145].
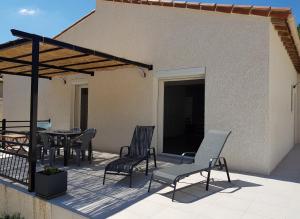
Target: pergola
[37,57]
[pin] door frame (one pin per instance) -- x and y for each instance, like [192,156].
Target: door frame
[160,106]
[75,84]
[80,87]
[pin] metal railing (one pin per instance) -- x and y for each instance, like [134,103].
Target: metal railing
[14,166]
[14,158]
[4,124]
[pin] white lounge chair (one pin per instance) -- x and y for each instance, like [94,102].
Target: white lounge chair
[206,159]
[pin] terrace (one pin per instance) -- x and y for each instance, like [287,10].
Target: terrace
[248,196]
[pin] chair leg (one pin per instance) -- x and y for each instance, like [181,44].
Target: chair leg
[104,177]
[147,166]
[150,183]
[220,165]
[154,157]
[173,195]
[83,154]
[226,168]
[78,157]
[42,156]
[208,179]
[130,180]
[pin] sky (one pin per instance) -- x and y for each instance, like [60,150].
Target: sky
[49,17]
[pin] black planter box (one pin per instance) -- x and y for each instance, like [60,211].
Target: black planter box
[51,186]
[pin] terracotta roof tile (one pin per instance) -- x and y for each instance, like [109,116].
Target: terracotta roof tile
[278,17]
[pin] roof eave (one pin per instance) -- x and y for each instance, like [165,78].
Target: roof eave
[293,27]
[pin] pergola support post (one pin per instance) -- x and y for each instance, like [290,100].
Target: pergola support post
[33,113]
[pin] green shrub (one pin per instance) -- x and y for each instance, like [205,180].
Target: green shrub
[51,170]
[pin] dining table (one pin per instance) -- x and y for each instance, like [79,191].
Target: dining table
[66,135]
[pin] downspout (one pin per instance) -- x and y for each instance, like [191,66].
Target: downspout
[293,29]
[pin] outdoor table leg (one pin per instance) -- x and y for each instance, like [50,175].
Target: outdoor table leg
[66,151]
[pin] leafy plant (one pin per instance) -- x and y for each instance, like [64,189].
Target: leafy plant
[13,216]
[48,170]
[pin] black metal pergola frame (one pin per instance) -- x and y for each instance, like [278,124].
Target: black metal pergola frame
[35,64]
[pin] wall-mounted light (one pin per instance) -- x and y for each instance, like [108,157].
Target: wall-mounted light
[144,75]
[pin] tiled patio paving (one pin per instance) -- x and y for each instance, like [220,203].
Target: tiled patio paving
[248,196]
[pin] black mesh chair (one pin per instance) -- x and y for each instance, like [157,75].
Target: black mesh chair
[138,151]
[47,145]
[81,143]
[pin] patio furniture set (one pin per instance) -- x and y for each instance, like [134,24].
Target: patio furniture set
[51,141]
[205,159]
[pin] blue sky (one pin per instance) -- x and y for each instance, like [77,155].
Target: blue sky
[52,16]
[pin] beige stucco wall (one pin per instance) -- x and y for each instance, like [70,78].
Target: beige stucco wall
[282,76]
[233,48]
[118,101]
[297,119]
[54,100]
[14,199]
[170,38]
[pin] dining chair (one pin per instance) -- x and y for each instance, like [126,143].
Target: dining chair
[47,145]
[82,143]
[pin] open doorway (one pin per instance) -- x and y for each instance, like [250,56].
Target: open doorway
[81,107]
[183,128]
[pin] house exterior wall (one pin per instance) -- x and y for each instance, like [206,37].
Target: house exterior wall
[234,49]
[297,119]
[236,70]
[54,100]
[282,109]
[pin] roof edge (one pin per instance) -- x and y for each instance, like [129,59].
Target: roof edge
[74,24]
[293,27]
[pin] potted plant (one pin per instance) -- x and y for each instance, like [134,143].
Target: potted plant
[50,182]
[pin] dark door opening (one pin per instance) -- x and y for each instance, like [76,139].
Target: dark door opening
[183,115]
[84,108]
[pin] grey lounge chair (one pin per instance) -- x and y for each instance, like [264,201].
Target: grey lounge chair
[206,158]
[138,151]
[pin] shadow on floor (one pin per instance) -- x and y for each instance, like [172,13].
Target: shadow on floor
[193,192]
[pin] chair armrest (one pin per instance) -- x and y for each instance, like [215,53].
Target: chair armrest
[189,155]
[215,160]
[121,150]
[73,141]
[151,149]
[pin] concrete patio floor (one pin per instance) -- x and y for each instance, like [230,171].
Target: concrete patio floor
[248,196]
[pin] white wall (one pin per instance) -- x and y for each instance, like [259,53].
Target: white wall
[54,100]
[233,48]
[14,199]
[282,76]
[118,101]
[297,115]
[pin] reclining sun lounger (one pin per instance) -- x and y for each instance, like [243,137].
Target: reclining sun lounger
[139,150]
[206,159]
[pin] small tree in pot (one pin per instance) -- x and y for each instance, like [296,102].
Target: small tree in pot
[51,182]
